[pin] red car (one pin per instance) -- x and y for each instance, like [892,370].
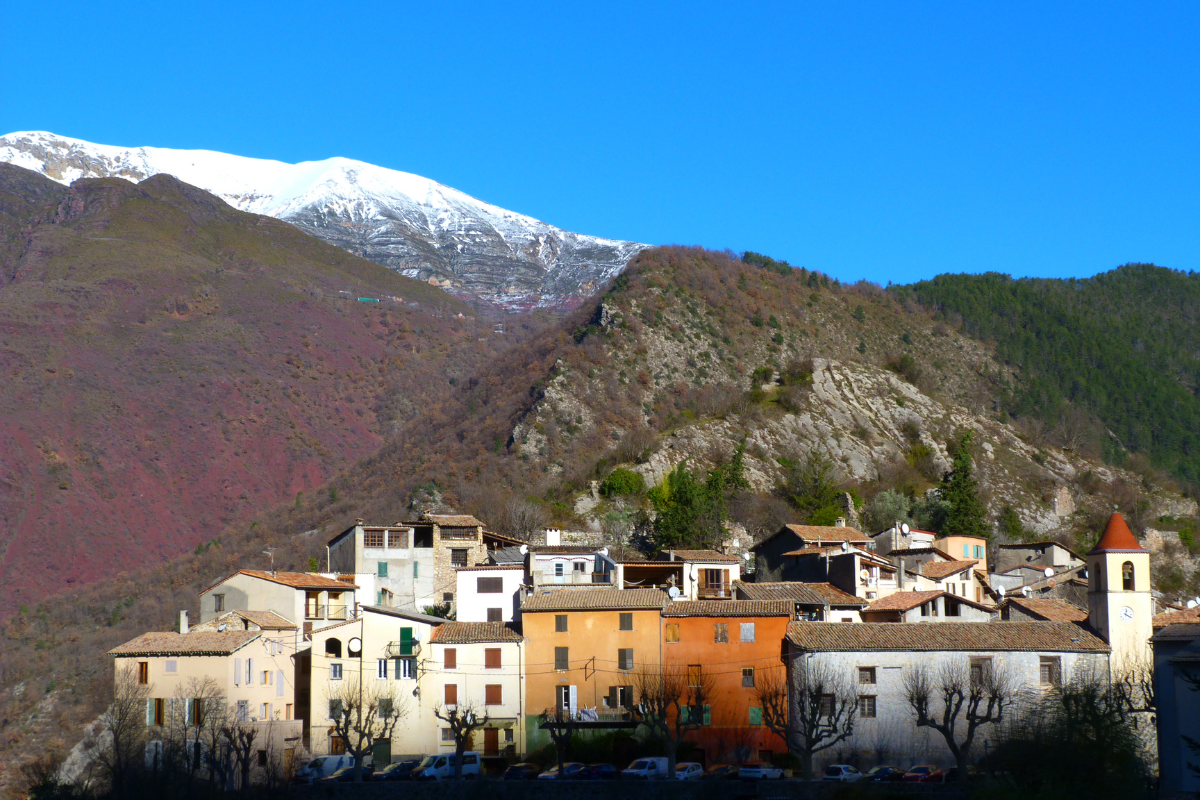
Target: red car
[923,773]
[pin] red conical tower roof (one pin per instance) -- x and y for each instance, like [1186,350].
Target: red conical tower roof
[1117,536]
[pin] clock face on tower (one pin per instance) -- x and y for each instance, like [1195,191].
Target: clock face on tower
[1125,614]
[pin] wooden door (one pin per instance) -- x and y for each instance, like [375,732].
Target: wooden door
[491,741]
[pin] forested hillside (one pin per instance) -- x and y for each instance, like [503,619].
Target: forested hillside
[1124,346]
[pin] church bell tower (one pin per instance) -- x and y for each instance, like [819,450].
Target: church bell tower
[1120,607]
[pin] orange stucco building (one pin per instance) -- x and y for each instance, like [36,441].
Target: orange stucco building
[583,648]
[734,642]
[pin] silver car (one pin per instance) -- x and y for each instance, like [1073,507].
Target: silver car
[758,771]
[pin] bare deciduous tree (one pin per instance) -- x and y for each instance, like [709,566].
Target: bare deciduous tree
[670,703]
[959,694]
[812,706]
[364,712]
[560,724]
[464,720]
[238,739]
[521,518]
[120,748]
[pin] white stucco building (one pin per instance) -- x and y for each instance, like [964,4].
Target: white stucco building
[489,593]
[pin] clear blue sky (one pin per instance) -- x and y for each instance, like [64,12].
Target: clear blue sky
[887,141]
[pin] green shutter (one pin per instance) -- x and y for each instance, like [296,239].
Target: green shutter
[755,715]
[416,571]
[708,715]
[383,569]
[406,641]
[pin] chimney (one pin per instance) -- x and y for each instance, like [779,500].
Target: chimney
[840,523]
[183,621]
[553,537]
[900,577]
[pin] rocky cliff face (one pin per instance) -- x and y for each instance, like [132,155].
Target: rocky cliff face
[407,223]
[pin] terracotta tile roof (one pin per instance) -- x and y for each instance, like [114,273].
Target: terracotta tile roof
[500,537]
[297,580]
[1062,637]
[703,555]
[729,608]
[902,601]
[452,520]
[471,632]
[819,533]
[1186,616]
[939,570]
[267,620]
[490,567]
[199,643]
[1177,632]
[563,550]
[816,594]
[1117,537]
[598,599]
[809,551]
[1051,609]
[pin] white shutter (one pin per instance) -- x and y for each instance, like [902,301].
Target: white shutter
[237,672]
[279,683]
[149,711]
[574,699]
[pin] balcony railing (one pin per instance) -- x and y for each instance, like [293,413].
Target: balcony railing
[590,715]
[326,612]
[713,591]
[572,578]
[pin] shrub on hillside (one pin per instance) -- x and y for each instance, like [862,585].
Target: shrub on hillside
[621,482]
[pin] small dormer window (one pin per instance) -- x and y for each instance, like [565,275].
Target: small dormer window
[1127,576]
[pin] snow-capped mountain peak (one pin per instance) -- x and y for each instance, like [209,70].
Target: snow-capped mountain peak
[406,222]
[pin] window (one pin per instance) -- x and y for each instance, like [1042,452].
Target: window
[451,694]
[218,602]
[1050,670]
[337,745]
[560,658]
[748,677]
[450,658]
[373,539]
[578,566]
[406,669]
[262,758]
[493,694]
[747,631]
[978,551]
[560,623]
[397,538]
[625,658]
[966,551]
[243,710]
[491,658]
[447,597]
[866,706]
[508,735]
[333,647]
[981,669]
[335,709]
[386,708]
[335,672]
[626,622]
[866,675]
[382,569]
[160,711]
[695,673]
[489,585]
[264,711]
[267,678]
[447,735]
[720,632]
[381,668]
[288,713]
[755,716]
[672,632]
[558,569]
[620,696]
[406,641]
[827,703]
[1127,576]
[143,673]
[170,666]
[495,615]
[458,557]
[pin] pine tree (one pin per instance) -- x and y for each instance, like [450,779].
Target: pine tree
[965,514]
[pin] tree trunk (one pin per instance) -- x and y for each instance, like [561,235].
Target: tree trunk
[459,747]
[806,758]
[358,760]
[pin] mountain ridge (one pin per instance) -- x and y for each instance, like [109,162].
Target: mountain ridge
[411,224]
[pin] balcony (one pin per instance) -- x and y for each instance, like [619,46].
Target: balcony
[572,578]
[713,591]
[335,612]
[595,717]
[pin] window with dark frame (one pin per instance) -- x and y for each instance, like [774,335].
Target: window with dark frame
[625,659]
[720,632]
[143,673]
[489,585]
[748,677]
[450,695]
[626,621]
[373,539]
[866,706]
[561,660]
[450,658]
[495,615]
[218,602]
[560,623]
[1050,670]
[397,539]
[491,658]
[866,675]
[980,670]
[493,694]
[458,558]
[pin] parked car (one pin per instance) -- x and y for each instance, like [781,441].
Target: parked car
[721,772]
[882,773]
[598,772]
[569,770]
[322,767]
[522,772]
[651,768]
[923,773]
[346,775]
[759,770]
[688,771]
[951,775]
[440,768]
[842,772]
[396,771]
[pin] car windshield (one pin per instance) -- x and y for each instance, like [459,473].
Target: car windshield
[316,762]
[638,765]
[428,762]
[833,770]
[920,770]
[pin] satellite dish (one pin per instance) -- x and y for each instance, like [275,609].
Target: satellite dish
[221,628]
[845,547]
[524,549]
[1048,572]
[1191,604]
[673,592]
[862,573]
[355,646]
[904,527]
[746,556]
[1000,590]
[1025,590]
[1197,601]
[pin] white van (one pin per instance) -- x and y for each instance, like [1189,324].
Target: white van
[440,768]
[650,768]
[323,767]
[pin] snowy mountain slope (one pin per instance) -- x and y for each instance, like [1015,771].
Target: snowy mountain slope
[408,223]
